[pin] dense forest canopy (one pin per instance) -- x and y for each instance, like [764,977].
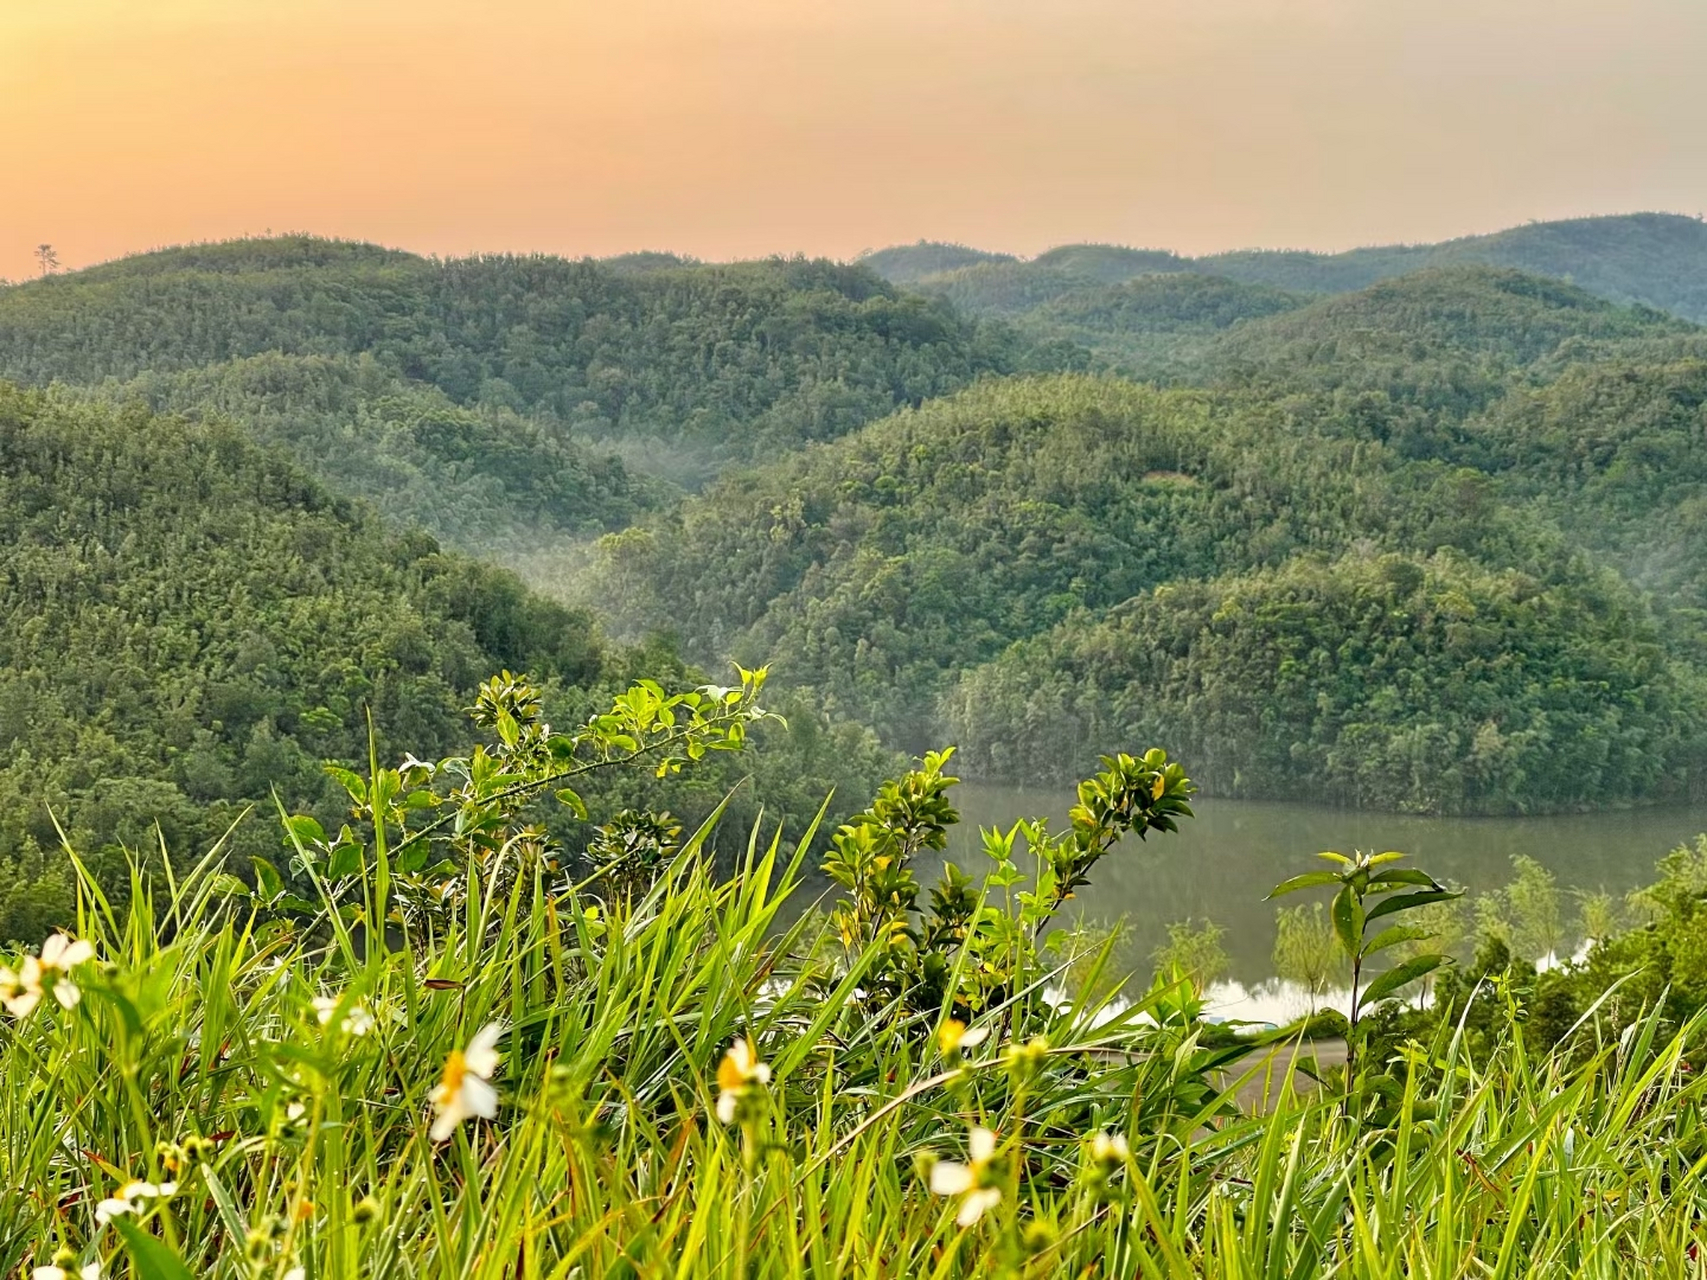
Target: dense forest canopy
[189,624]
[481,477]
[1388,682]
[730,356]
[888,568]
[903,500]
[1175,323]
[680,363]
[909,263]
[1656,259]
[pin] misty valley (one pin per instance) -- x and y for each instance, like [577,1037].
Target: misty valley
[1411,531]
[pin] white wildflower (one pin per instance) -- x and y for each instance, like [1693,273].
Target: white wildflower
[969,1181]
[465,1090]
[738,1075]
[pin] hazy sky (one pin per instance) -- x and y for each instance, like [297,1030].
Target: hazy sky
[744,127]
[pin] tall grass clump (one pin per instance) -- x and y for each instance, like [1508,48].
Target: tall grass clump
[426,1048]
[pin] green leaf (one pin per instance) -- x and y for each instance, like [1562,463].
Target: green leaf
[1395,935]
[222,1200]
[1309,880]
[1348,920]
[1405,901]
[577,806]
[305,830]
[1399,976]
[267,878]
[345,860]
[227,885]
[1405,875]
[150,1258]
[350,781]
[1336,857]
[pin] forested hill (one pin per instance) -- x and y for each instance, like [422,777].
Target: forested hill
[729,356]
[189,623]
[1374,543]
[481,398]
[1657,259]
[1150,312]
[1480,489]
[1450,337]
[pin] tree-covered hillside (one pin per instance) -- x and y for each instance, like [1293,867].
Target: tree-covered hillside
[876,567]
[1162,327]
[482,398]
[1502,431]
[1449,339]
[482,477]
[908,263]
[1109,263]
[729,357]
[1388,682]
[1656,259]
[889,518]
[189,624]
[1151,314]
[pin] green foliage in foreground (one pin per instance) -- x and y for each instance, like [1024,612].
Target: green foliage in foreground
[537,1083]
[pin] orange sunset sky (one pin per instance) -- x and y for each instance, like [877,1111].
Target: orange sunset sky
[747,127]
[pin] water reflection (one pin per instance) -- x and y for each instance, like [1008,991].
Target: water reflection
[1221,864]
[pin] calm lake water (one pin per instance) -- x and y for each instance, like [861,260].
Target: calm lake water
[1221,863]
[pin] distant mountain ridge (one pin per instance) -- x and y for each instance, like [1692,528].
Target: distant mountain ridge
[485,398]
[1657,259]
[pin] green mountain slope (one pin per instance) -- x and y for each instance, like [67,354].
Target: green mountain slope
[480,477]
[1450,338]
[189,624]
[1109,263]
[1502,432]
[1177,303]
[1615,453]
[875,567]
[1389,682]
[1658,260]
[719,361]
[908,263]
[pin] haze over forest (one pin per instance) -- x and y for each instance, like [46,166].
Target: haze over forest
[1411,529]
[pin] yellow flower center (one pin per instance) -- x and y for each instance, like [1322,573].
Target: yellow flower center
[730,1077]
[456,1067]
